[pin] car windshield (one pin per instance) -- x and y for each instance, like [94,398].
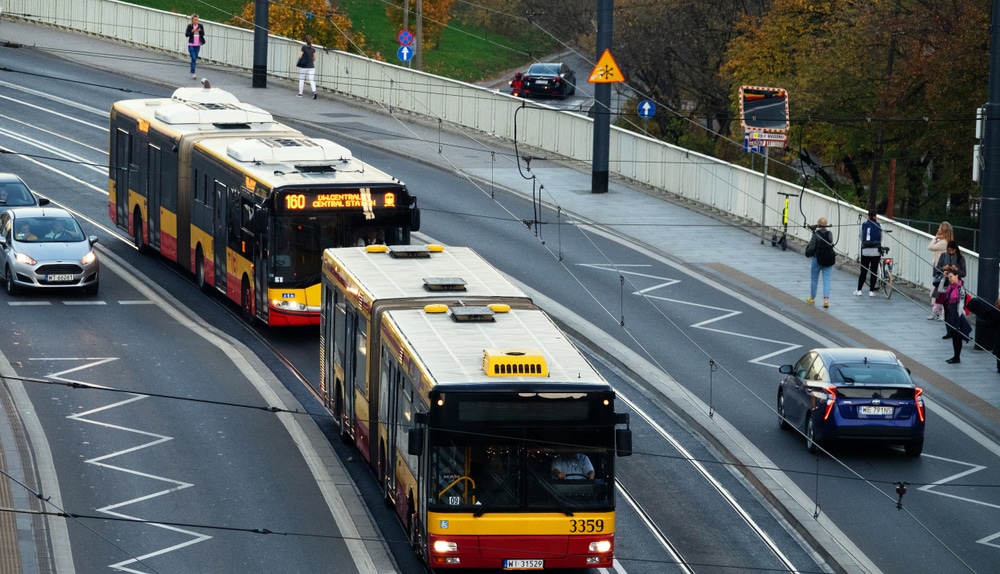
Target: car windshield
[870,374]
[47,230]
[14,193]
[544,70]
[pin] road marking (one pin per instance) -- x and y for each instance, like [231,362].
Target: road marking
[28,303]
[83,303]
[724,313]
[156,439]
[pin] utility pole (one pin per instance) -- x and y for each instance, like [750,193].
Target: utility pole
[418,56]
[261,25]
[989,213]
[602,102]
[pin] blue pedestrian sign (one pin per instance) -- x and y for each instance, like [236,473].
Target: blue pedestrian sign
[405,38]
[405,53]
[646,109]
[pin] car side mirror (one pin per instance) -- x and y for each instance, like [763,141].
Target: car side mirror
[92,239]
[786,369]
[43,201]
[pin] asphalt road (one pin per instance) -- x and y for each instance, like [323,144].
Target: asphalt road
[718,338]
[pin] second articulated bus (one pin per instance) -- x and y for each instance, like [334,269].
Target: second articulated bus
[465,399]
[245,203]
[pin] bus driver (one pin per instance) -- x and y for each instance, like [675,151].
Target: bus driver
[572,466]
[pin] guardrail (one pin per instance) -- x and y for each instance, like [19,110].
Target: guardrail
[730,189]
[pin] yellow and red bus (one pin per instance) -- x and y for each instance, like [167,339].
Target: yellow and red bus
[243,202]
[463,397]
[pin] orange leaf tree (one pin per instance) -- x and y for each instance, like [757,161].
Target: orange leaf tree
[296,18]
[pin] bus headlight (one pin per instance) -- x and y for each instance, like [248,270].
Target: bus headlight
[600,546]
[445,546]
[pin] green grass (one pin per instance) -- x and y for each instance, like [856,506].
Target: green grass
[466,53]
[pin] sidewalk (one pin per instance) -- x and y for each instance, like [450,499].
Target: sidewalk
[972,387]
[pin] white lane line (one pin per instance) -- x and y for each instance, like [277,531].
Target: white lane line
[28,303]
[67,117]
[56,151]
[84,303]
[95,149]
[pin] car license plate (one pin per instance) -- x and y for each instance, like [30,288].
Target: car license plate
[523,564]
[542,82]
[876,410]
[58,278]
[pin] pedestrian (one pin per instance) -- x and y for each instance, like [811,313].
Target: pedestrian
[823,258]
[307,66]
[954,318]
[937,246]
[195,33]
[871,246]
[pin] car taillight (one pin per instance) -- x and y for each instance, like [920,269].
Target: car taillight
[832,391]
[919,402]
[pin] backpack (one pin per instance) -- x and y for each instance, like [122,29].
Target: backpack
[825,255]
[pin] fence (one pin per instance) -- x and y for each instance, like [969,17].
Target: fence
[727,188]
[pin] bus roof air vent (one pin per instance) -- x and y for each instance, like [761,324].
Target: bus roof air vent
[514,363]
[472,314]
[444,284]
[288,149]
[404,251]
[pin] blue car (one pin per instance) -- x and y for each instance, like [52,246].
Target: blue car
[852,394]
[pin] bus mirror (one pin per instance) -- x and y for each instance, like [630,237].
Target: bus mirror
[623,441]
[415,217]
[415,441]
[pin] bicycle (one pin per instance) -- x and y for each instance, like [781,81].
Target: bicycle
[884,277]
[783,242]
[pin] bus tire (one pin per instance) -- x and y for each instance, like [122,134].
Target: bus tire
[137,240]
[246,306]
[199,270]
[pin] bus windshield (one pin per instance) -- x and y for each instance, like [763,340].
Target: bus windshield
[297,244]
[483,471]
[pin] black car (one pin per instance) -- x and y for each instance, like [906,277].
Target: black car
[549,79]
[14,193]
[852,394]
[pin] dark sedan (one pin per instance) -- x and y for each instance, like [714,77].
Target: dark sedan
[852,394]
[549,79]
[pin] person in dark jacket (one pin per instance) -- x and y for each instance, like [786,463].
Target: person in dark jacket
[195,33]
[954,317]
[871,243]
[951,259]
[823,259]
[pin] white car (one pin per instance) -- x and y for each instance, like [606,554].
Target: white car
[45,248]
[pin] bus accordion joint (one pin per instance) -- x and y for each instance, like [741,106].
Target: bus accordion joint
[514,363]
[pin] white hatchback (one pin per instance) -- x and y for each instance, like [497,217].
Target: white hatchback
[45,248]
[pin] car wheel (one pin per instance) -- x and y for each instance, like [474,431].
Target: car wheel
[12,288]
[914,447]
[782,421]
[810,435]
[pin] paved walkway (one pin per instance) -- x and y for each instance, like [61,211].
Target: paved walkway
[781,277]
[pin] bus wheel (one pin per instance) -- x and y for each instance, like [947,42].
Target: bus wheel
[247,302]
[137,240]
[199,270]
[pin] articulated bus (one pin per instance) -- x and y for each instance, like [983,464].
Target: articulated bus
[243,202]
[463,397]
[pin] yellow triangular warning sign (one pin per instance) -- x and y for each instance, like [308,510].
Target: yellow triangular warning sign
[606,71]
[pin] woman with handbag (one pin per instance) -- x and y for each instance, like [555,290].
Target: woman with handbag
[937,246]
[958,326]
[307,66]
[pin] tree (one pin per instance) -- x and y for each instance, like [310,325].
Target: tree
[436,14]
[296,18]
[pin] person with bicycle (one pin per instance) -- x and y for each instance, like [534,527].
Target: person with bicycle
[820,248]
[871,246]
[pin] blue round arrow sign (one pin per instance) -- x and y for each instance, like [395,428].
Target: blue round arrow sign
[405,53]
[646,109]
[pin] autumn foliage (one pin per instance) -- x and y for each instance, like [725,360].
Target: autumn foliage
[296,18]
